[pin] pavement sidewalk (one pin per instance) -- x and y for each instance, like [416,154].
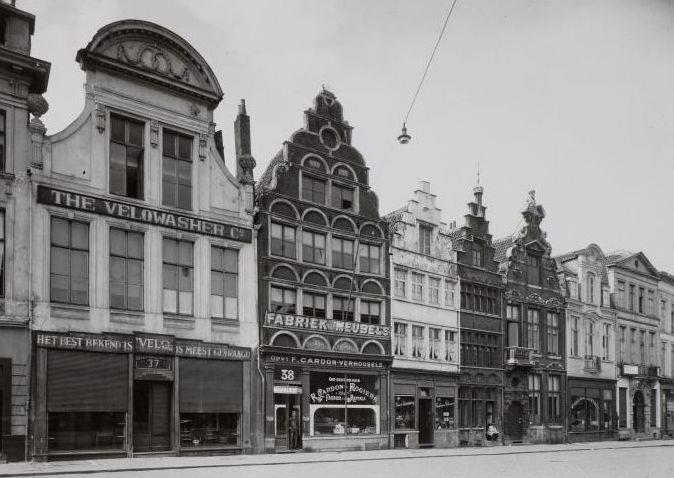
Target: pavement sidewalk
[125,465]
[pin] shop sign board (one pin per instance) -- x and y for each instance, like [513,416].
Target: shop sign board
[290,321]
[137,213]
[329,388]
[630,369]
[287,359]
[196,349]
[85,342]
[153,367]
[141,344]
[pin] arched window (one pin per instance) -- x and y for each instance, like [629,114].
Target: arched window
[372,348]
[314,278]
[315,217]
[285,273]
[284,340]
[283,209]
[343,224]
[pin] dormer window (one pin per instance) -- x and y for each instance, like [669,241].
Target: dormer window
[126,157]
[342,197]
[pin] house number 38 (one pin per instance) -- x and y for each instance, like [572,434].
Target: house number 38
[287,374]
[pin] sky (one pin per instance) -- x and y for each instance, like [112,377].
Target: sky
[571,98]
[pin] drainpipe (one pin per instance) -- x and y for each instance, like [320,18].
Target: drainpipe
[29,400]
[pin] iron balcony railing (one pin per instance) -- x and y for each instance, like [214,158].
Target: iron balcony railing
[592,363]
[518,356]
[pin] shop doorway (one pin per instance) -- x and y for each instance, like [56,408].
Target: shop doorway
[638,412]
[513,422]
[151,416]
[425,421]
[284,406]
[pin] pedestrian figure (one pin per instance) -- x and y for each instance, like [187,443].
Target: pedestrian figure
[293,429]
[491,432]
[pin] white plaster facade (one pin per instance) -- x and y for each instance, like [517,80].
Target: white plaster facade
[666,313]
[144,73]
[431,308]
[590,325]
[634,286]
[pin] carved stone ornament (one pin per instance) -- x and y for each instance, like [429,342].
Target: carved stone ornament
[100,117]
[203,146]
[535,299]
[154,133]
[152,57]
[37,105]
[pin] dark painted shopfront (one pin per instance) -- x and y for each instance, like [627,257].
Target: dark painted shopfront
[121,395]
[424,410]
[338,403]
[592,409]
[324,399]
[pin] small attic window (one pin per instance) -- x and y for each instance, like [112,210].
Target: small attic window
[3,29]
[636,264]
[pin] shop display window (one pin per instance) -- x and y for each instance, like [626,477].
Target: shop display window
[70,431]
[444,413]
[404,411]
[344,404]
[585,414]
[209,429]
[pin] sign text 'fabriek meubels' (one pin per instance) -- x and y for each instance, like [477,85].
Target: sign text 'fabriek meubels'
[326,325]
[137,213]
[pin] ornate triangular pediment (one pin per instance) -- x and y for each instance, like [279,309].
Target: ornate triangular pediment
[150,52]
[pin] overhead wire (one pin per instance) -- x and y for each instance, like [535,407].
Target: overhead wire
[430,60]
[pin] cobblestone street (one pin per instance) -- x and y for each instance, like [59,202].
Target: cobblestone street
[603,459]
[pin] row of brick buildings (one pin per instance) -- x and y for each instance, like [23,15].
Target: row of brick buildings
[153,301]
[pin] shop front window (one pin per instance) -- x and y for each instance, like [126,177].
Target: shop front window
[343,404]
[444,413]
[585,414]
[404,411]
[69,431]
[209,429]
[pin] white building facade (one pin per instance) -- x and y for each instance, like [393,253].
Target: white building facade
[666,313]
[634,286]
[143,262]
[425,326]
[590,345]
